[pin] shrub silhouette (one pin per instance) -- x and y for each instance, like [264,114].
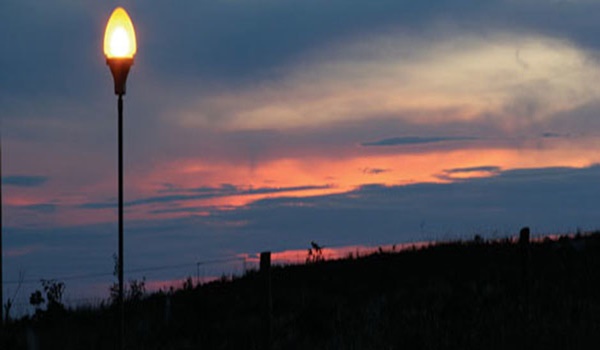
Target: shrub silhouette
[54,291]
[36,300]
[135,292]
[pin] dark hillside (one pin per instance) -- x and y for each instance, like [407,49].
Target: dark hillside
[464,295]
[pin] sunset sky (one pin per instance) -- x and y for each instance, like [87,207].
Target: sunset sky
[255,125]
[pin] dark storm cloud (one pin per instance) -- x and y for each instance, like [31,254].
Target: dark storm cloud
[415,140]
[24,180]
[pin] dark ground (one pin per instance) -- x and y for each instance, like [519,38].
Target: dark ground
[463,295]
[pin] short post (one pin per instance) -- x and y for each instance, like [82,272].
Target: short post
[265,272]
[525,252]
[30,336]
[524,238]
[167,314]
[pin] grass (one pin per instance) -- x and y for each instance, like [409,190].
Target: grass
[458,295]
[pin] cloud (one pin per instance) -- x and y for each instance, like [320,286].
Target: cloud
[225,190]
[43,208]
[316,93]
[549,200]
[185,210]
[374,171]
[552,135]
[415,140]
[220,96]
[24,180]
[236,40]
[21,251]
[461,174]
[400,77]
[485,168]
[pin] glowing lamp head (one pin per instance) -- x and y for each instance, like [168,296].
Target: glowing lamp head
[119,37]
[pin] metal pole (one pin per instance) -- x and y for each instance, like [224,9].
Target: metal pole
[1,252]
[120,272]
[198,274]
[119,67]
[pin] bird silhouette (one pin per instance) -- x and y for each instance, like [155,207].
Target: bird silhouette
[315,246]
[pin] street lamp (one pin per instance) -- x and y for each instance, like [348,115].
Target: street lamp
[1,251]
[119,48]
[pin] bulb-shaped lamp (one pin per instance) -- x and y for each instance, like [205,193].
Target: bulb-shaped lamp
[119,47]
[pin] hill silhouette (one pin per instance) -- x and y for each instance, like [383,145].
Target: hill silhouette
[458,295]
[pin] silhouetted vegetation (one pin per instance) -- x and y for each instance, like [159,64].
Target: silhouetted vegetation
[460,295]
[315,253]
[54,291]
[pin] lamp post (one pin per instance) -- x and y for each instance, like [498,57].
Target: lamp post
[119,48]
[1,251]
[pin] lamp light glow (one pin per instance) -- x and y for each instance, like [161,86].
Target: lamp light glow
[119,37]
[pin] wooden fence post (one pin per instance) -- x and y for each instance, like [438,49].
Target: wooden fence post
[265,272]
[30,336]
[525,250]
[525,256]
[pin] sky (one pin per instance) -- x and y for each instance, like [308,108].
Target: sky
[261,125]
